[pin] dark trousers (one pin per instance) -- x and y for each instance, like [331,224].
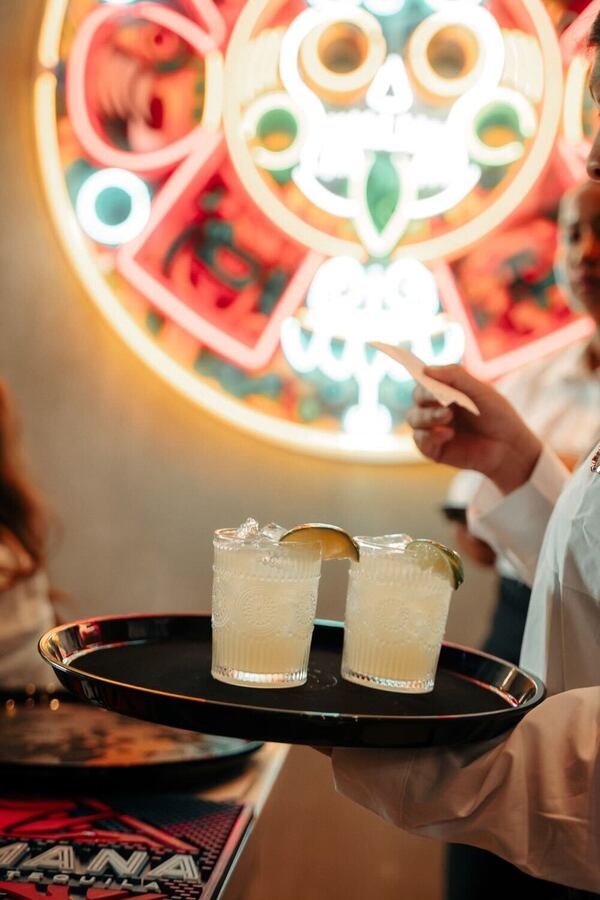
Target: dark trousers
[473,874]
[508,624]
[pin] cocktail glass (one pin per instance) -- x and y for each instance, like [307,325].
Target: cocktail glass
[396,614]
[263,607]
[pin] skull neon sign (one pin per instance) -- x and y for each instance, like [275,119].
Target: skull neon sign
[390,125]
[251,190]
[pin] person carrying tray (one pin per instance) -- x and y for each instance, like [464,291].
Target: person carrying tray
[559,398]
[532,797]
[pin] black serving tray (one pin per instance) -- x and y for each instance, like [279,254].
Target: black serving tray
[157,667]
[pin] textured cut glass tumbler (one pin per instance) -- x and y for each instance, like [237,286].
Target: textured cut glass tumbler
[396,614]
[263,609]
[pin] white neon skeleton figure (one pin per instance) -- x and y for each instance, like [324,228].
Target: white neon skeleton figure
[354,304]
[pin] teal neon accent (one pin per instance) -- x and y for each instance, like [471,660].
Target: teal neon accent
[382,191]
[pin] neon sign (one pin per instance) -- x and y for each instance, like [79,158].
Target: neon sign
[253,189]
[382,155]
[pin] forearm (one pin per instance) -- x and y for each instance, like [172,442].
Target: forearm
[532,799]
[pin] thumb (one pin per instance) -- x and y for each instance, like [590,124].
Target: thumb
[457,377]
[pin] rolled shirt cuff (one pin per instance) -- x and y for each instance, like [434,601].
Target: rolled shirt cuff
[514,524]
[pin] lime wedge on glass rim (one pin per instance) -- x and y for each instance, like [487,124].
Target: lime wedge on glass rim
[437,558]
[335,542]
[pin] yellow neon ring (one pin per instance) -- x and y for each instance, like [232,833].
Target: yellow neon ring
[336,85]
[468,43]
[575,86]
[434,83]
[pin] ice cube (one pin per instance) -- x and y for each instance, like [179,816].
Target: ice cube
[388,541]
[398,541]
[272,531]
[248,529]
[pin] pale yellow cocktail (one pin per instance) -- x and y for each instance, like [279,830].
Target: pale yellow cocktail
[396,613]
[264,602]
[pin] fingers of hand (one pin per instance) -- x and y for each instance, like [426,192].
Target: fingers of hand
[422,397]
[428,417]
[431,442]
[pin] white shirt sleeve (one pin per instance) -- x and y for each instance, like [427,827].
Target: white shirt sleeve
[514,524]
[532,797]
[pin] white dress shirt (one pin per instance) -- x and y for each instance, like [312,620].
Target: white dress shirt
[532,797]
[552,538]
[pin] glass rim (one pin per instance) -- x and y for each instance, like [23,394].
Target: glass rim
[375,542]
[227,535]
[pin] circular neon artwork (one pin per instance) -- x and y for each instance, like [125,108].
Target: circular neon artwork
[253,191]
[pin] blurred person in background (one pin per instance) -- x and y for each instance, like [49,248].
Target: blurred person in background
[26,609]
[559,398]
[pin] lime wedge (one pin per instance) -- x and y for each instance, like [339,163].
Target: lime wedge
[439,559]
[335,542]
